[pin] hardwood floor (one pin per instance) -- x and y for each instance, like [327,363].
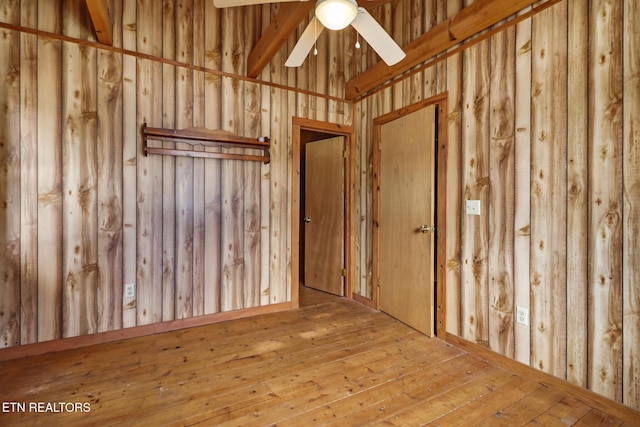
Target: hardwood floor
[332,362]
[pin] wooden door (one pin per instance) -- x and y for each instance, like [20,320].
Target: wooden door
[407,218]
[324,215]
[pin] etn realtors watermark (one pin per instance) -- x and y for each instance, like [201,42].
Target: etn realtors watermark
[46,407]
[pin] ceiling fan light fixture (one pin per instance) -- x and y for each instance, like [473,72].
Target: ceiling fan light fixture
[336,14]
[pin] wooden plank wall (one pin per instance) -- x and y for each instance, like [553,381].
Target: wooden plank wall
[86,212]
[631,204]
[10,195]
[548,258]
[543,129]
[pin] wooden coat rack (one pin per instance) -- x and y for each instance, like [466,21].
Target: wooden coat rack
[205,138]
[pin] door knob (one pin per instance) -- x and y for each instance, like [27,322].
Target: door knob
[306,219]
[424,229]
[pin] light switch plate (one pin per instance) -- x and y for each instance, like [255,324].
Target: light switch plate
[472,207]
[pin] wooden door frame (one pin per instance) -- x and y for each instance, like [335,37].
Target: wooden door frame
[441,197]
[299,125]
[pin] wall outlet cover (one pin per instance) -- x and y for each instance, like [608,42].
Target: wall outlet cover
[472,207]
[522,315]
[130,290]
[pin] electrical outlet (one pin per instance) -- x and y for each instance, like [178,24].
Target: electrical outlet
[522,315]
[130,290]
[472,207]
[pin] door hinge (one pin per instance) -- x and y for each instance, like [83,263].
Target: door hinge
[344,272]
[344,154]
[379,282]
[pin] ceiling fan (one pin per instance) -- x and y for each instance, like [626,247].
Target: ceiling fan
[334,15]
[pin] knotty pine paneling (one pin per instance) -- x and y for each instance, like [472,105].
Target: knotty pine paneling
[278,178]
[542,128]
[184,178]
[86,212]
[212,93]
[501,198]
[453,85]
[577,192]
[631,204]
[198,164]
[605,242]
[169,106]
[109,191]
[522,187]
[265,179]
[548,254]
[49,175]
[475,186]
[10,173]
[130,132]
[79,178]
[28,181]
[252,195]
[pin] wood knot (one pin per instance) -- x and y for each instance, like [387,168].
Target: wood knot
[453,263]
[535,279]
[524,231]
[525,48]
[575,189]
[612,219]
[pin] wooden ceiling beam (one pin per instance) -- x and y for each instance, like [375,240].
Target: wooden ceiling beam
[477,17]
[282,26]
[102,22]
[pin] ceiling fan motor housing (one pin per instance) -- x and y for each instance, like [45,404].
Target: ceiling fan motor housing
[336,14]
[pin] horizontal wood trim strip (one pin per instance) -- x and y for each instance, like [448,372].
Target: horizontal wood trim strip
[595,400]
[158,59]
[137,331]
[335,128]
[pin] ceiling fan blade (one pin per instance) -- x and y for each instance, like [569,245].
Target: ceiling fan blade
[377,37]
[234,3]
[305,43]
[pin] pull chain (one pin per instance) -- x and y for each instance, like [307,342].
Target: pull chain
[357,33]
[315,38]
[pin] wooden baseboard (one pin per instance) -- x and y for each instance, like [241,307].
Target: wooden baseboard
[34,349]
[589,397]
